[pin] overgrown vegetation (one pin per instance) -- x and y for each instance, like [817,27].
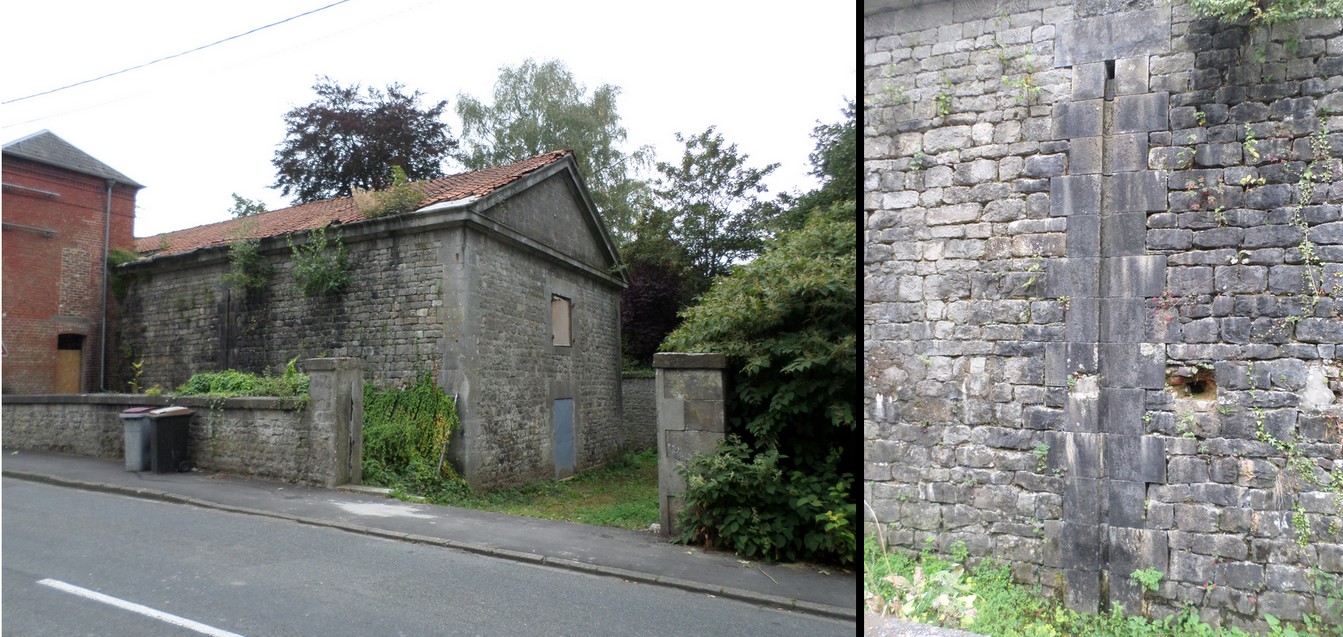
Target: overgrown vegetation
[786,323]
[230,383]
[984,599]
[1267,12]
[406,434]
[320,264]
[398,199]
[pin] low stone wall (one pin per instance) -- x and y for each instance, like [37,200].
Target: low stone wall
[641,414]
[281,438]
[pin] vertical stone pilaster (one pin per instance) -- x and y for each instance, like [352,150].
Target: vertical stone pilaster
[1106,197]
[690,392]
[336,391]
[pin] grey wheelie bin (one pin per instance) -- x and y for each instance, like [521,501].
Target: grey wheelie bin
[135,423]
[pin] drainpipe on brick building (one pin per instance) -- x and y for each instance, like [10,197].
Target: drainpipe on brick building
[107,241]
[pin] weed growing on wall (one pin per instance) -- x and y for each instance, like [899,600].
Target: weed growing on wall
[320,265]
[248,270]
[118,282]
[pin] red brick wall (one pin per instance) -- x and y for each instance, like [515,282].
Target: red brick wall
[53,284]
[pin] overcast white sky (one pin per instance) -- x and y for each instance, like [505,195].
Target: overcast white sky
[198,127]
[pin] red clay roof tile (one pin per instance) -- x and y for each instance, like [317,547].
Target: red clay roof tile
[342,209]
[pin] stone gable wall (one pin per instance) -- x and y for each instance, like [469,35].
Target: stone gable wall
[1102,303]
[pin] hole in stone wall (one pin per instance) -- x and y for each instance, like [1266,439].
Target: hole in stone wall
[1195,382]
[1109,69]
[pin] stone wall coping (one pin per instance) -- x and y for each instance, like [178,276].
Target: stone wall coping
[679,360]
[330,364]
[141,400]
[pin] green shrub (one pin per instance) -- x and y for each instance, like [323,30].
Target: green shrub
[748,503]
[230,383]
[320,265]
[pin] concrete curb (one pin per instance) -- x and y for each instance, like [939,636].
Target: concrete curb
[761,599]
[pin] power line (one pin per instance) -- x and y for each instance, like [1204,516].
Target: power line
[176,55]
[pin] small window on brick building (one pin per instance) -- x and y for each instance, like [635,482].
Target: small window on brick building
[560,309]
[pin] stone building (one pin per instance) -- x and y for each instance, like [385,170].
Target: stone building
[63,212]
[1103,285]
[504,284]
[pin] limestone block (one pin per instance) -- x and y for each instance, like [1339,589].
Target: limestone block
[1133,276]
[1123,234]
[1077,119]
[1142,113]
[1131,75]
[1074,195]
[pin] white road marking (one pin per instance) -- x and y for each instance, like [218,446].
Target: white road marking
[137,608]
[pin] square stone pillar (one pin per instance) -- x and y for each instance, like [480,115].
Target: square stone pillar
[690,420]
[336,392]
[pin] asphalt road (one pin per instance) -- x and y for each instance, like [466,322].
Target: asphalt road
[247,575]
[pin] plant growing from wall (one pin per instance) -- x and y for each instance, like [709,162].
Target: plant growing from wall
[248,269]
[119,282]
[942,103]
[1027,91]
[320,264]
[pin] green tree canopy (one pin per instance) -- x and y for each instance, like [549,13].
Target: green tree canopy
[786,323]
[541,107]
[834,162]
[350,138]
[711,203]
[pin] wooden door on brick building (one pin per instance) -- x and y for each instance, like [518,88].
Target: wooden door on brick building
[69,363]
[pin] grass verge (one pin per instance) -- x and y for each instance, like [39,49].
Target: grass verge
[984,599]
[623,494]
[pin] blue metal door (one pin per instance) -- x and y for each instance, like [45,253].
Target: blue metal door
[564,437]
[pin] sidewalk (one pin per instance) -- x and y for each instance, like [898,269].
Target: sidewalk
[631,555]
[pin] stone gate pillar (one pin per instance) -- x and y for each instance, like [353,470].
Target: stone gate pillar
[336,389]
[690,390]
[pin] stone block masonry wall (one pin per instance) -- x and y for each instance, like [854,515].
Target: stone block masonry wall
[640,412]
[1103,289]
[266,437]
[182,320]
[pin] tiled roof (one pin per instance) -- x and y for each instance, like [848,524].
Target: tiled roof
[342,209]
[45,147]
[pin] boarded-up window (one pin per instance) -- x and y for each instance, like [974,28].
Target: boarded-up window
[559,320]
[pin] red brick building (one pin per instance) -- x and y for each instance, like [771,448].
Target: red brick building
[62,211]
